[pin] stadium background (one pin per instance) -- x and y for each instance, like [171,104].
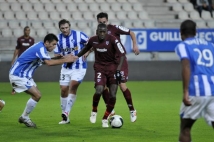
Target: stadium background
[155,23]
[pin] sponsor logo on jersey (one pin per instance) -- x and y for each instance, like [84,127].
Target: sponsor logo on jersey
[95,42]
[25,44]
[101,50]
[107,42]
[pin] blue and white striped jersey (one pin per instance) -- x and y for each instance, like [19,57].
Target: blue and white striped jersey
[200,53]
[29,60]
[72,44]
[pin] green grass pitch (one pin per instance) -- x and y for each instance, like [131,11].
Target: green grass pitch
[157,104]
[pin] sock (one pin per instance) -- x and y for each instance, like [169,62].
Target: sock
[128,97]
[70,102]
[96,99]
[110,107]
[105,96]
[31,104]
[63,103]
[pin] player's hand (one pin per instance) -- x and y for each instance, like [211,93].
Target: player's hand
[70,58]
[136,50]
[85,56]
[118,76]
[186,100]
[57,57]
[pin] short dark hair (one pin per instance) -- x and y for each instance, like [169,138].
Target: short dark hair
[101,25]
[26,27]
[188,28]
[63,21]
[102,15]
[50,37]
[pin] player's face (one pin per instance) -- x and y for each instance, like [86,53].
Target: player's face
[101,32]
[50,45]
[65,29]
[27,32]
[102,20]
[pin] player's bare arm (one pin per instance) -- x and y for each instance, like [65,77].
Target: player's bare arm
[65,59]
[185,77]
[134,41]
[15,54]
[83,51]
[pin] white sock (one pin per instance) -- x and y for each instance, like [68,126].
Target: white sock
[63,103]
[70,102]
[31,104]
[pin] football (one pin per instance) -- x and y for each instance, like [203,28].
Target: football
[2,103]
[116,121]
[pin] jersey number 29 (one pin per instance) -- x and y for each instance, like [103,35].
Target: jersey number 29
[205,57]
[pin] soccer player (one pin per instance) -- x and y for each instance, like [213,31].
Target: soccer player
[23,43]
[117,31]
[21,72]
[72,74]
[197,63]
[107,66]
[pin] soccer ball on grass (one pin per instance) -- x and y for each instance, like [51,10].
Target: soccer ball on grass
[116,121]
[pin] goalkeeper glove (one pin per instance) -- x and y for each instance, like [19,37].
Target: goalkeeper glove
[118,76]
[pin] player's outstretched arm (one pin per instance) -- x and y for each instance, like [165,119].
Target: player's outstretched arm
[66,59]
[82,52]
[134,41]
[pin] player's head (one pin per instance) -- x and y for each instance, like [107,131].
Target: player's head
[64,26]
[187,29]
[101,31]
[102,17]
[50,41]
[26,31]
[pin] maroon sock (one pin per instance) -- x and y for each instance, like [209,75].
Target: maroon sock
[96,99]
[127,95]
[105,96]
[110,107]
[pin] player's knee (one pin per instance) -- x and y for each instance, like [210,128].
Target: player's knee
[123,87]
[99,90]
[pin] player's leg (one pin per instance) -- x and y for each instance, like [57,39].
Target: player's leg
[76,77]
[110,105]
[28,86]
[185,129]
[100,82]
[64,89]
[106,96]
[126,92]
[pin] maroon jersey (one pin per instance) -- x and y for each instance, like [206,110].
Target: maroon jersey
[23,44]
[106,50]
[116,31]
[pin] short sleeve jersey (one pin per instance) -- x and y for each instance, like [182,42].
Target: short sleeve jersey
[200,54]
[116,31]
[72,44]
[31,59]
[105,50]
[23,44]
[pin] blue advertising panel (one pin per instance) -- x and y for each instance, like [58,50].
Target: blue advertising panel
[161,40]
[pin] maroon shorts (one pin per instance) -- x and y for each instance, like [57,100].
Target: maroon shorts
[124,71]
[104,75]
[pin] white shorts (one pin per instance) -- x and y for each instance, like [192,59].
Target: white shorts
[201,107]
[66,75]
[20,84]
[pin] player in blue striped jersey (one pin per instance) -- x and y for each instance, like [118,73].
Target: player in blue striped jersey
[197,60]
[21,72]
[72,74]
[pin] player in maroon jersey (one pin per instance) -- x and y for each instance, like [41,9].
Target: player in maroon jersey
[107,66]
[117,31]
[23,43]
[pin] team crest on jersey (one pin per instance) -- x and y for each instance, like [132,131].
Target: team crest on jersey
[107,42]
[72,40]
[109,32]
[98,80]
